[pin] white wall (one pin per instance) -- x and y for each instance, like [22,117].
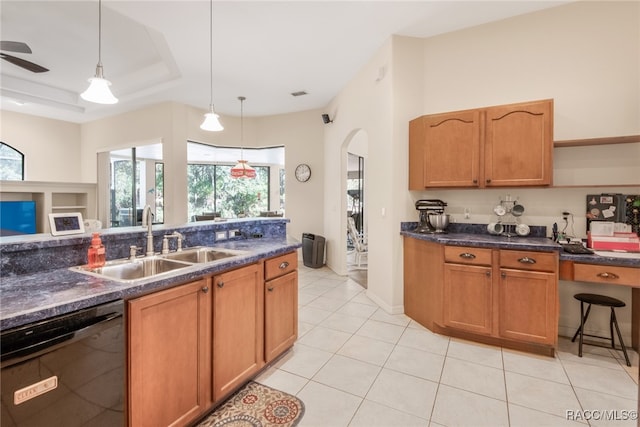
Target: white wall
[585,55]
[46,144]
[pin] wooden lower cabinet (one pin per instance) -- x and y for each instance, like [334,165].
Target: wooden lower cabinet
[496,296]
[528,306]
[169,348]
[280,315]
[467,299]
[238,322]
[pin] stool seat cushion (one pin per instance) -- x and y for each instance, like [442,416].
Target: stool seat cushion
[599,300]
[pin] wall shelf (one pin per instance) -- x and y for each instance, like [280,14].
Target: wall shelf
[52,197]
[597,141]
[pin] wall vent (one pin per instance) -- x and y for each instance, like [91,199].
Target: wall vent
[299,93]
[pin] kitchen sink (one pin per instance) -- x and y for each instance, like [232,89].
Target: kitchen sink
[202,254]
[128,270]
[134,269]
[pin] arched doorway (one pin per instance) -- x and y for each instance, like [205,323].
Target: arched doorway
[354,152]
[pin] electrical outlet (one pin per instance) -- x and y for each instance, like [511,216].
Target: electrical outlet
[221,235]
[467,213]
[234,233]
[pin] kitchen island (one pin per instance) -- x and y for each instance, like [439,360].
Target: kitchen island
[498,290]
[192,336]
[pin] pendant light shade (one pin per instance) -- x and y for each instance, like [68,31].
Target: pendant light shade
[242,169]
[98,90]
[211,119]
[211,122]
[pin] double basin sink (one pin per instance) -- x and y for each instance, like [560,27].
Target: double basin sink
[131,269]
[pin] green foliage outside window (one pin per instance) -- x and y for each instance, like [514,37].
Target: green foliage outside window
[212,189]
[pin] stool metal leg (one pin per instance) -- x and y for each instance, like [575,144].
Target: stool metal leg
[583,319]
[612,319]
[624,350]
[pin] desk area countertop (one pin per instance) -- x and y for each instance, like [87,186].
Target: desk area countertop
[472,236]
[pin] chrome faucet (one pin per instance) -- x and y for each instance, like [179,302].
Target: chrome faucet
[165,242]
[147,220]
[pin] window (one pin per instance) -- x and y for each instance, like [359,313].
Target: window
[11,163]
[213,192]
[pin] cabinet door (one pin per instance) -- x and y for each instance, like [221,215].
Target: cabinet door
[468,298]
[518,146]
[281,315]
[238,320]
[528,306]
[168,350]
[452,149]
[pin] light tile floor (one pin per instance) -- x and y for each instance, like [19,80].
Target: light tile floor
[356,365]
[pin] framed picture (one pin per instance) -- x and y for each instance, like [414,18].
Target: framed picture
[66,223]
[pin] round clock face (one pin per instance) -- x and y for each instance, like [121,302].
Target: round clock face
[303,173]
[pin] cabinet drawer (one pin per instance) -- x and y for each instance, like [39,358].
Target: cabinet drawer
[529,260]
[467,255]
[606,274]
[280,265]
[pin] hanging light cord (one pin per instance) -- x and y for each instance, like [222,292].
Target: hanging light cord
[100,33]
[241,98]
[211,51]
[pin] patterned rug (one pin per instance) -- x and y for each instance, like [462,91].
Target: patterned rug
[256,405]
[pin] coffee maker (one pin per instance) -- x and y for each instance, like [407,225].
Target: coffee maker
[424,208]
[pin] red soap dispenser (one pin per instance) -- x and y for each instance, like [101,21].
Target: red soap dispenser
[96,253]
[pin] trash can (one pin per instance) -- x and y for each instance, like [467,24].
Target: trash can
[312,250]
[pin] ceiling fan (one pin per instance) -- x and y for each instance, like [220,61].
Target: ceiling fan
[19,47]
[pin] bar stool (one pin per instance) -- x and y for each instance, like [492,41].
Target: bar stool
[604,301]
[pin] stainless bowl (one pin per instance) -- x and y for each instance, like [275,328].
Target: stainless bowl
[439,221]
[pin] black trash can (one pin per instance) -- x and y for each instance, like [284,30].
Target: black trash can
[312,250]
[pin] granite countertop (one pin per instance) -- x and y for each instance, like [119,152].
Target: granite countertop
[34,297]
[520,243]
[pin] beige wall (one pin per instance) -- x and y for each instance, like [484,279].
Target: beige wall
[585,55]
[49,146]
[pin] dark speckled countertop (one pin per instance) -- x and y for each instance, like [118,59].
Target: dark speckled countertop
[472,235]
[33,297]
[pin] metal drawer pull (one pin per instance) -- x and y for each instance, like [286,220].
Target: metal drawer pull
[284,265]
[270,289]
[606,275]
[467,255]
[205,289]
[220,284]
[527,260]
[487,273]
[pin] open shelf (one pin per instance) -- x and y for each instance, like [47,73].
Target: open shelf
[597,141]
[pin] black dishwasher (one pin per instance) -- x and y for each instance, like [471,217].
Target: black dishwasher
[65,371]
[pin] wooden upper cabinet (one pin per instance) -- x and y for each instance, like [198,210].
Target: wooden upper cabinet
[452,149]
[518,145]
[502,146]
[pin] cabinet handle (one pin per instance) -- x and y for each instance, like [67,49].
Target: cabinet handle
[503,274]
[488,181]
[475,181]
[221,284]
[487,273]
[270,289]
[205,289]
[527,260]
[284,265]
[605,275]
[467,255]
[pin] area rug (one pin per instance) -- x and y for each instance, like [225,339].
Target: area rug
[256,405]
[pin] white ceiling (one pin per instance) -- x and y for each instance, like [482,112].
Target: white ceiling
[154,51]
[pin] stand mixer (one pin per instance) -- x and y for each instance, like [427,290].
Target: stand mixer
[425,207]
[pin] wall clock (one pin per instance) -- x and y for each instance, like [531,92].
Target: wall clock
[303,172]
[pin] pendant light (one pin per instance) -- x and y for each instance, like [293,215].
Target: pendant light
[211,122]
[242,169]
[98,90]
